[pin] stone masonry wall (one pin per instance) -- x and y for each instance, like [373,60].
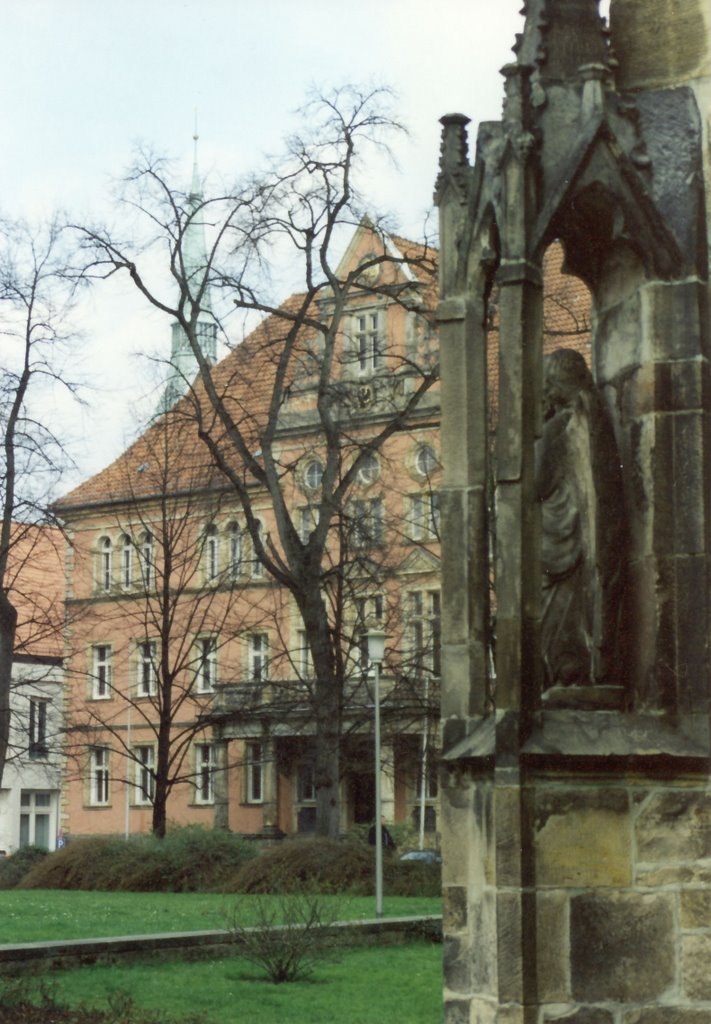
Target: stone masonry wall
[624,906]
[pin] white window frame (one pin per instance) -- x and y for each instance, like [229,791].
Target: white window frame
[206,670]
[369,469]
[101,671]
[36,804]
[144,783]
[257,567]
[212,554]
[258,657]
[426,461]
[146,674]
[147,560]
[106,564]
[424,516]
[305,661]
[313,474]
[307,523]
[127,562]
[236,550]
[368,341]
[254,767]
[37,726]
[99,779]
[424,614]
[205,768]
[367,525]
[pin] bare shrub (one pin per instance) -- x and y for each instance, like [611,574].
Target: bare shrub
[290,937]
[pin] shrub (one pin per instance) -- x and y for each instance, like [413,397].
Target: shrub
[16,866]
[191,859]
[326,865]
[288,940]
[329,865]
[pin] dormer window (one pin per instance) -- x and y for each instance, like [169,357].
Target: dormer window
[368,341]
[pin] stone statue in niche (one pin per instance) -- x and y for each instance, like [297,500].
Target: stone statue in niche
[584,536]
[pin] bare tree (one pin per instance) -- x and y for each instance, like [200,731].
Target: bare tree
[37,298]
[306,368]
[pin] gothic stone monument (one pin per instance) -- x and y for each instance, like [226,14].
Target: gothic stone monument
[576,787]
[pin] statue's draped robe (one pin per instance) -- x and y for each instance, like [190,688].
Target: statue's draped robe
[579,487]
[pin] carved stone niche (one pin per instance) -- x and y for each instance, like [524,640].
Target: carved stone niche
[584,540]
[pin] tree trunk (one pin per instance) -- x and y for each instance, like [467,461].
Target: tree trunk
[8,626]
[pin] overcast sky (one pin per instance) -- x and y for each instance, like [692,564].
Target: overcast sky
[83,81]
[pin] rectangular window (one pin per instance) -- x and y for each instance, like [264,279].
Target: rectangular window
[212,554]
[205,773]
[368,342]
[206,675]
[127,563]
[424,516]
[367,523]
[257,566]
[38,728]
[101,672]
[144,788]
[147,559]
[147,674]
[424,623]
[255,772]
[258,657]
[307,523]
[35,810]
[235,542]
[305,785]
[99,776]
[303,661]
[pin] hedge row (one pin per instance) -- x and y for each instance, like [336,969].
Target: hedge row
[195,859]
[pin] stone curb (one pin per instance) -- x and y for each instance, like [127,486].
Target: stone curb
[32,956]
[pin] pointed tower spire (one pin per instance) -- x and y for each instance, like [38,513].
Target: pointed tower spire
[183,364]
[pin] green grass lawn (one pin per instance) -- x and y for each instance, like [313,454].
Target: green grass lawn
[30,915]
[365,986]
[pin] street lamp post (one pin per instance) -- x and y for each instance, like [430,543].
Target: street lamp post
[376,652]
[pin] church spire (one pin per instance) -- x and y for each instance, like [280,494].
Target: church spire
[183,364]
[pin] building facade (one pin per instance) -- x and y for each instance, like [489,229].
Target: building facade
[30,795]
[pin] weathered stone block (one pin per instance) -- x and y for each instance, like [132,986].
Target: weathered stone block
[695,961]
[456,1011]
[696,908]
[454,908]
[653,877]
[509,948]
[670,320]
[585,1015]
[674,826]
[583,838]
[667,1015]
[622,946]
[552,954]
[457,956]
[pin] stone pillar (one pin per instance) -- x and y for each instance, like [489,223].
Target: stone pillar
[270,803]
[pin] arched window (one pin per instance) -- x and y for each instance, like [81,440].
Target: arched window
[126,562]
[235,550]
[369,469]
[257,566]
[105,563]
[313,475]
[212,553]
[425,460]
[147,556]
